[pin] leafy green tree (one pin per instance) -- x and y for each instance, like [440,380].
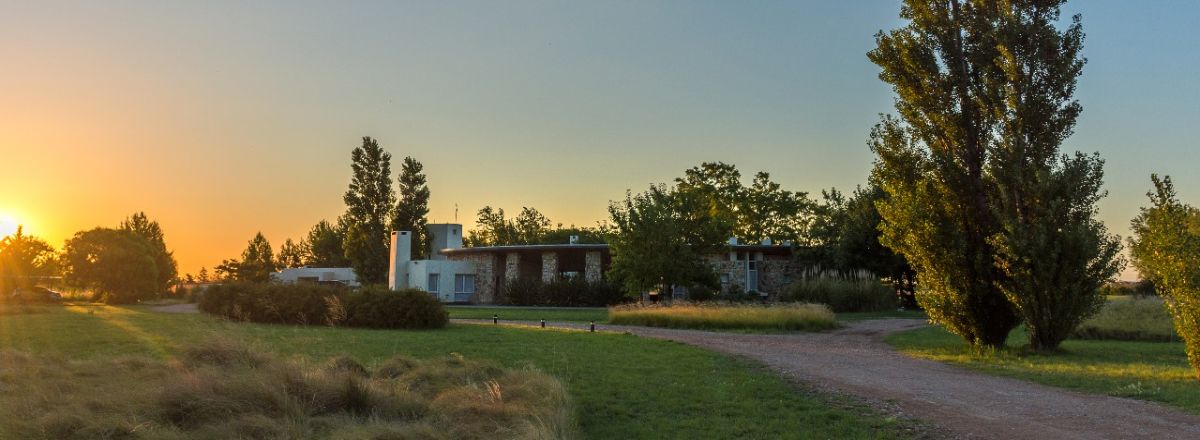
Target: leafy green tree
[659,239]
[858,245]
[258,261]
[492,228]
[164,259]
[322,247]
[23,260]
[933,161]
[290,254]
[1166,250]
[413,206]
[766,211]
[367,254]
[117,265]
[370,201]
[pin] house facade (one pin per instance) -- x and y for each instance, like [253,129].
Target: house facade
[476,274]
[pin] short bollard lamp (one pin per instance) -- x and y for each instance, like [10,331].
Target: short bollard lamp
[543,323]
[495,319]
[592,327]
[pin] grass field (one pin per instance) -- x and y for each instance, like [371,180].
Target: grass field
[859,316]
[777,317]
[563,314]
[1155,371]
[622,386]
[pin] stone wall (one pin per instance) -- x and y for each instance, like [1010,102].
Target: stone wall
[485,276]
[593,266]
[512,266]
[549,266]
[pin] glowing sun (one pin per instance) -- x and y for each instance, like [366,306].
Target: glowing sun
[8,225]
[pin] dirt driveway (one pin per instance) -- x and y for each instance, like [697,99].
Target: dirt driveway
[964,404]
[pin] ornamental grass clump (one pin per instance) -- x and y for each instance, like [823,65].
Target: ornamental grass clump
[226,390]
[801,317]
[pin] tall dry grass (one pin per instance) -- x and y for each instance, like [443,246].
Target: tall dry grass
[223,390]
[804,317]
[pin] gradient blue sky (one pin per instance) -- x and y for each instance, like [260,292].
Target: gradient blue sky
[221,119]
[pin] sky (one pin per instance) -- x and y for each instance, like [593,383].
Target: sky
[221,119]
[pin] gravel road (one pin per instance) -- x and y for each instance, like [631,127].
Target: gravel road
[960,403]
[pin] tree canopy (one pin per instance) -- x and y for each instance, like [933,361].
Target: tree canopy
[998,225]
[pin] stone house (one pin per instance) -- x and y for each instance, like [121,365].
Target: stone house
[474,275]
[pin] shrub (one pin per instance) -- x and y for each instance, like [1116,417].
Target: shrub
[376,307]
[1131,320]
[570,292]
[313,304]
[217,391]
[805,317]
[843,296]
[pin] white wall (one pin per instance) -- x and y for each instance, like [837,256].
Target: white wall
[418,275]
[292,275]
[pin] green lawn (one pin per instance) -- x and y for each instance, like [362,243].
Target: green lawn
[579,314]
[1155,371]
[623,386]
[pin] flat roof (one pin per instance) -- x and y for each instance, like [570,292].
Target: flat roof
[595,247]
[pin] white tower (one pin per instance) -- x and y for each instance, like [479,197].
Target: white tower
[398,261]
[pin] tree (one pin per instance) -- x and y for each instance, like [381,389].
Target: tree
[258,261]
[659,239]
[932,163]
[23,260]
[322,247]
[369,204]
[1166,250]
[290,255]
[203,276]
[367,254]
[999,226]
[858,246]
[766,211]
[492,228]
[228,270]
[413,206]
[118,265]
[164,259]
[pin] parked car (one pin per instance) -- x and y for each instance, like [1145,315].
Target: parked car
[35,295]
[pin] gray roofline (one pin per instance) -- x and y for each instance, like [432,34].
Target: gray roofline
[552,247]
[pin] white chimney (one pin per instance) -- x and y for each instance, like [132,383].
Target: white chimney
[398,260]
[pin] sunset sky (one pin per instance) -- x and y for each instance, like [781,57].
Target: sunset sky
[220,119]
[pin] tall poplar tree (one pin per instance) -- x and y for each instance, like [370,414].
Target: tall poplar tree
[999,226]
[369,204]
[413,206]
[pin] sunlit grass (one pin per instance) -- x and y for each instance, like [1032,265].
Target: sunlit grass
[221,389]
[1155,371]
[623,386]
[806,317]
[1132,319]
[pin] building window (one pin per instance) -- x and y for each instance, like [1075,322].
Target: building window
[464,283]
[725,278]
[434,280]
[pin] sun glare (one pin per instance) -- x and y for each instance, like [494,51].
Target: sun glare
[8,225]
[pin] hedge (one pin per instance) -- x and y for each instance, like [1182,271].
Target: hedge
[313,304]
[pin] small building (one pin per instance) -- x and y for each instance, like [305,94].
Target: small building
[344,275]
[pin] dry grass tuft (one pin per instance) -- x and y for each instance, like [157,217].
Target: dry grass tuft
[225,390]
[804,317]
